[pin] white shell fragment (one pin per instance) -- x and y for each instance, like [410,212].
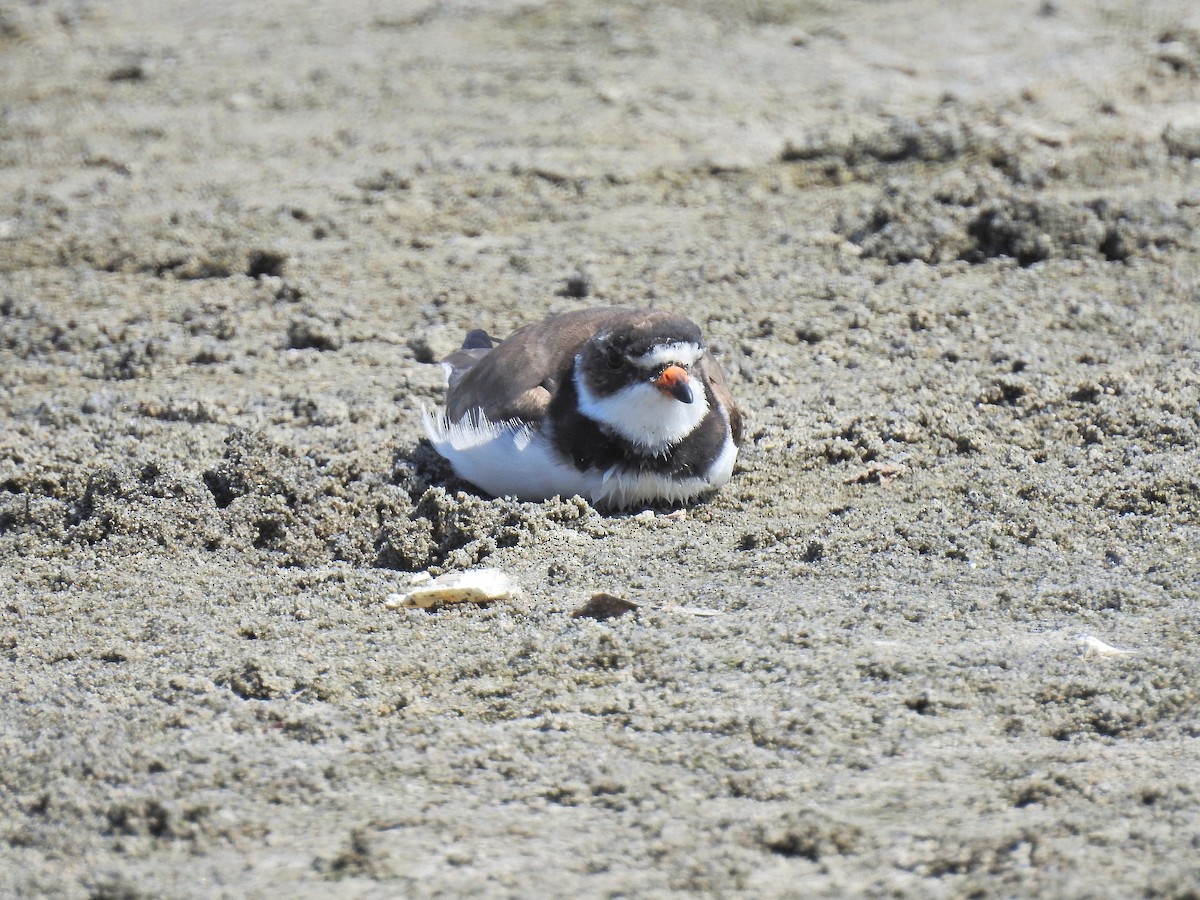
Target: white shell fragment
[1093,646]
[472,586]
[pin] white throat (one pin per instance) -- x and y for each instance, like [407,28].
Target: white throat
[642,414]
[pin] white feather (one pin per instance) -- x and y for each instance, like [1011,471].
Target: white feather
[506,459]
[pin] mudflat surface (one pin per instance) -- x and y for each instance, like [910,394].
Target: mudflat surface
[948,255]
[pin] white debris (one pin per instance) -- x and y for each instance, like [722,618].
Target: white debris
[693,611]
[472,586]
[1093,646]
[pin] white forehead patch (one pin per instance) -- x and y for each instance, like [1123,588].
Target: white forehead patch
[642,414]
[683,352]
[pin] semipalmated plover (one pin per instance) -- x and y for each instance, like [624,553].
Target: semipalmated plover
[620,406]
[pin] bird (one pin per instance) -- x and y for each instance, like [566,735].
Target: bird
[620,406]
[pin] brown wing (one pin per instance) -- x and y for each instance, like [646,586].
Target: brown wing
[517,379]
[716,380]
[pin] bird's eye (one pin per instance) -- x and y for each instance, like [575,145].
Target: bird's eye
[615,358]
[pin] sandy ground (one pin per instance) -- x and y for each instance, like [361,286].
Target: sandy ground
[948,255]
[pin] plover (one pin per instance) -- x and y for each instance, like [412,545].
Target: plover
[621,406]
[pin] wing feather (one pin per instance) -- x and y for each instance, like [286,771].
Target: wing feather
[517,379]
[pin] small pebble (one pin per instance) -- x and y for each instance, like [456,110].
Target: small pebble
[603,606]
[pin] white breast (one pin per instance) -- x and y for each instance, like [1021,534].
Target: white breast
[513,459]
